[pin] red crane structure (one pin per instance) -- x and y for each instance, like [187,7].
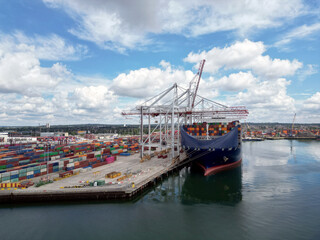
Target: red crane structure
[176,106]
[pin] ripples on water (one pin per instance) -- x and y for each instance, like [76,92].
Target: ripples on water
[274,195]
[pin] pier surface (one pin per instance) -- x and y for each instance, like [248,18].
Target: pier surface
[73,188]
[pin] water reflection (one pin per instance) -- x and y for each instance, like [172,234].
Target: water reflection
[191,187]
[224,188]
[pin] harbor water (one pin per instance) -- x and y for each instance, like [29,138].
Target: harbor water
[275,194]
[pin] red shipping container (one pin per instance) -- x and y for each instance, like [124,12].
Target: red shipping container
[22,178]
[37,174]
[3,162]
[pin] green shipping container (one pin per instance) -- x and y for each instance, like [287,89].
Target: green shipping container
[14,180]
[23,171]
[5,178]
[101,182]
[22,174]
[3,167]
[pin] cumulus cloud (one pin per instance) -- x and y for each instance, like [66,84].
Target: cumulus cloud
[267,95]
[20,66]
[235,81]
[94,98]
[20,72]
[121,25]
[313,103]
[266,101]
[84,104]
[146,82]
[245,55]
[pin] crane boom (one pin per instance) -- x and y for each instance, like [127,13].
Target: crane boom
[199,73]
[294,118]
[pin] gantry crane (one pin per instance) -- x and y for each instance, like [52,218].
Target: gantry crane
[176,106]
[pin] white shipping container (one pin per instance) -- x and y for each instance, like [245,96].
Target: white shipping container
[70,165]
[14,172]
[29,173]
[43,170]
[6,174]
[97,153]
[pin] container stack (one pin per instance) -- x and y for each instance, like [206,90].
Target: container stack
[27,161]
[214,129]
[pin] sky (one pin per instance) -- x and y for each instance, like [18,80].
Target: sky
[80,61]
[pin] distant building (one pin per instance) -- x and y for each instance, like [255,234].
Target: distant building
[54,134]
[47,134]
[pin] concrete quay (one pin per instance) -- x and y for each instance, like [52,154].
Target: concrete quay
[143,175]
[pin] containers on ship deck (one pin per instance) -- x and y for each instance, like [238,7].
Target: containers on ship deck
[212,129]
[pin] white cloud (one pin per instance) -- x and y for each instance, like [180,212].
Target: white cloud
[308,70]
[51,47]
[245,55]
[94,98]
[121,25]
[146,82]
[235,81]
[266,101]
[298,33]
[267,95]
[21,72]
[313,103]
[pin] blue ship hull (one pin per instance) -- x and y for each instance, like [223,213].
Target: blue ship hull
[214,155]
[215,161]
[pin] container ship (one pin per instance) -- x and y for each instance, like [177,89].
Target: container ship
[215,147]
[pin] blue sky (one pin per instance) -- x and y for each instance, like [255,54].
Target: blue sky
[69,62]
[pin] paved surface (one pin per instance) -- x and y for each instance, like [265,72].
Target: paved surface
[141,174]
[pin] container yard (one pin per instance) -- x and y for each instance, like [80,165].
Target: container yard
[48,171]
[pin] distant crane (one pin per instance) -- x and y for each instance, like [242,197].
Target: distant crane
[294,118]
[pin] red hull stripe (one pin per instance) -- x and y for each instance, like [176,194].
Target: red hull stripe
[216,169]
